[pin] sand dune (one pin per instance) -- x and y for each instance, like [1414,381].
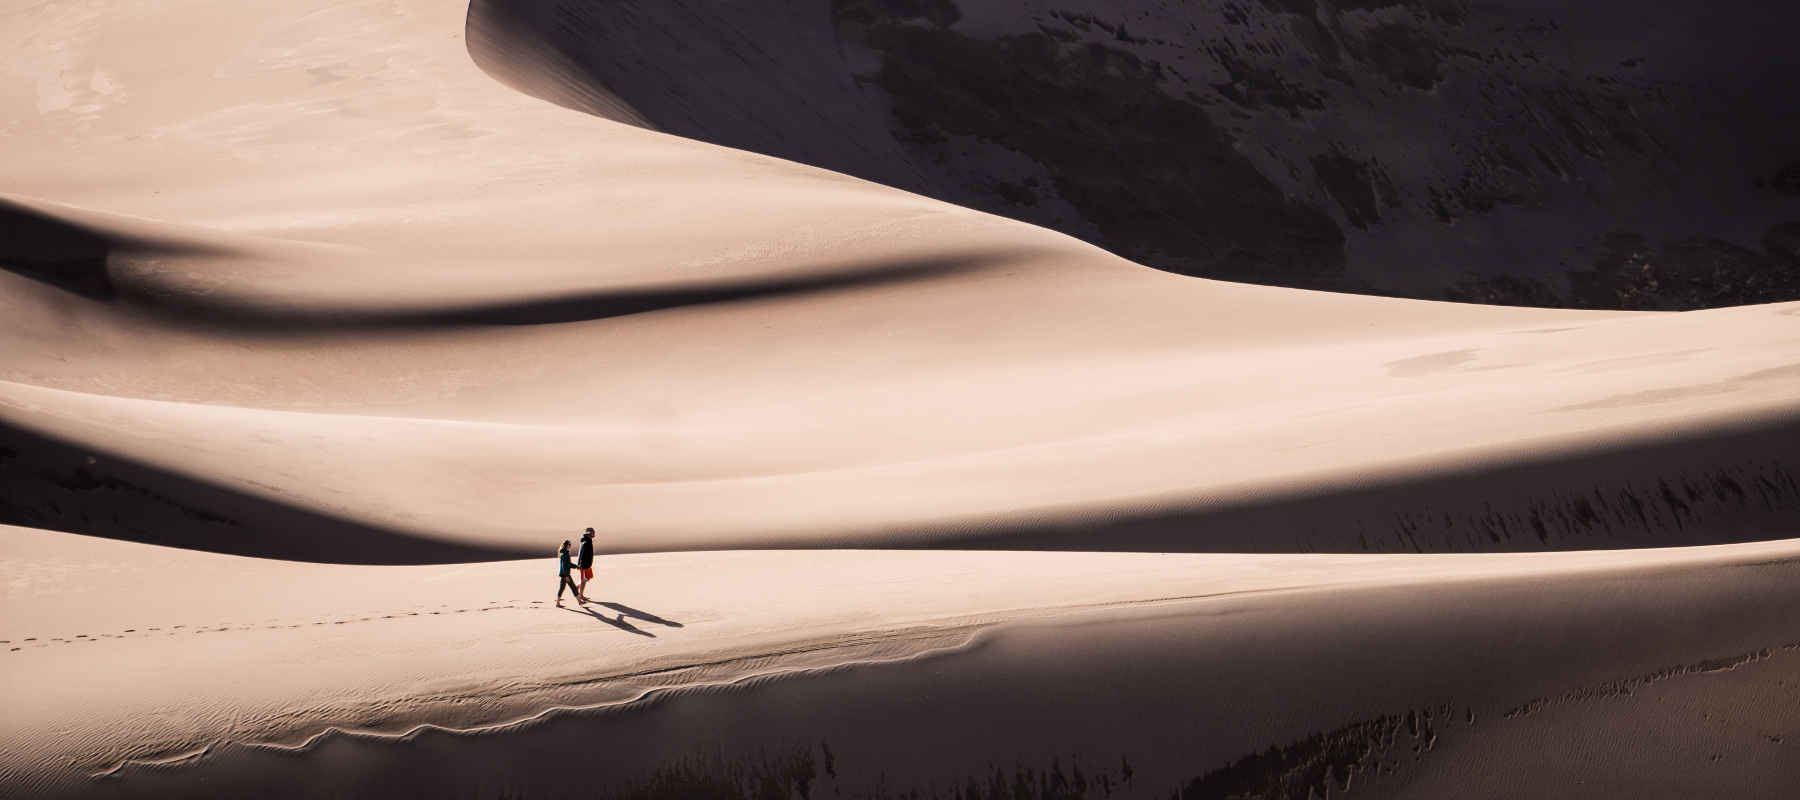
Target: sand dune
[1027,407]
[1605,155]
[470,664]
[823,361]
[322,295]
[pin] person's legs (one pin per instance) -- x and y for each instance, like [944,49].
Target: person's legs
[581,591]
[562,582]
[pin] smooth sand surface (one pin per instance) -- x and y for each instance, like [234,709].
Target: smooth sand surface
[194,657]
[491,314]
[313,289]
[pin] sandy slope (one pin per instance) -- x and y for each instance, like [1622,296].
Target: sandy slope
[1110,434]
[1511,150]
[121,651]
[501,317]
[311,286]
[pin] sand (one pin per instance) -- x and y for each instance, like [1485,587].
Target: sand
[313,321]
[204,661]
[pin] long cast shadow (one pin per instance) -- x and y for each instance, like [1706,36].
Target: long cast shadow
[53,484]
[628,611]
[73,257]
[1728,483]
[1731,484]
[619,623]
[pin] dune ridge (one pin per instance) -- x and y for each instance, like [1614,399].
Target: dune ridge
[338,306]
[848,656]
[1506,151]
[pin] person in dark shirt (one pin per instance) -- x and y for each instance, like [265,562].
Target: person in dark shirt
[584,561]
[562,575]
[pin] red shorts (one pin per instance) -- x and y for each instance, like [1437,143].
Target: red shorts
[587,573]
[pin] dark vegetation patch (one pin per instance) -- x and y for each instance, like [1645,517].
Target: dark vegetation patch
[1383,750]
[796,773]
[1148,170]
[1321,765]
[1631,272]
[1714,487]
[1631,686]
[1626,514]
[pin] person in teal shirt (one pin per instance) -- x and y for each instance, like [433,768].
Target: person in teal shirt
[562,575]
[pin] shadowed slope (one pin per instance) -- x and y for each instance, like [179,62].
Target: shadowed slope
[1732,483]
[897,674]
[749,352]
[74,257]
[760,354]
[1494,152]
[81,488]
[296,497]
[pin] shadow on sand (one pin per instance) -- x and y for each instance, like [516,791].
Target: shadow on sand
[73,256]
[52,483]
[628,611]
[625,612]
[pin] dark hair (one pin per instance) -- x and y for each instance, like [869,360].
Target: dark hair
[589,530]
[565,544]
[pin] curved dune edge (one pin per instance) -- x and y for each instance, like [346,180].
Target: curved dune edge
[321,284]
[330,735]
[393,310]
[288,659]
[1649,487]
[1501,151]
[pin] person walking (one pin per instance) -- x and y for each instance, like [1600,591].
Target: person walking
[562,576]
[584,561]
